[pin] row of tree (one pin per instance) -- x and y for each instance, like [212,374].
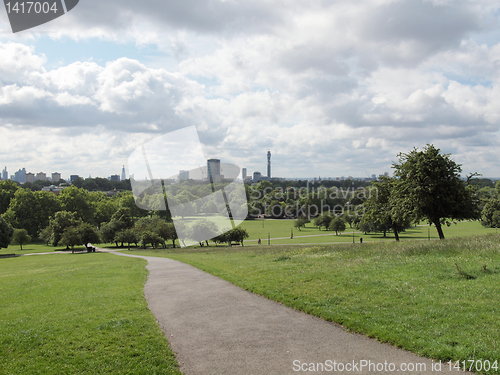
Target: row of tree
[426,186]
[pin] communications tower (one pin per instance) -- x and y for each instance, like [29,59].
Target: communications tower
[268,164]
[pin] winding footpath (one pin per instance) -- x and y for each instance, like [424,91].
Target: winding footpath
[214,327]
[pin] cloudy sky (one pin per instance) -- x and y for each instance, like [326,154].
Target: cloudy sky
[332,88]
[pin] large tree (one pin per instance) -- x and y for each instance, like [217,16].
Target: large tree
[32,210]
[428,186]
[6,233]
[7,191]
[491,214]
[61,221]
[78,201]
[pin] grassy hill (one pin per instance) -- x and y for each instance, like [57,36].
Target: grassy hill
[438,299]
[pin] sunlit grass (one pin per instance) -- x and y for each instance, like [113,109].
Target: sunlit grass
[410,294]
[78,314]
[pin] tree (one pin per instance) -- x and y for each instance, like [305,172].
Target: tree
[428,186]
[70,237]
[491,213]
[337,224]
[32,210]
[45,234]
[60,222]
[6,233]
[123,218]
[126,199]
[88,234]
[21,237]
[78,182]
[104,208]
[149,237]
[120,220]
[108,232]
[300,222]
[203,230]
[222,238]
[323,220]
[7,190]
[380,208]
[78,201]
[127,236]
[237,234]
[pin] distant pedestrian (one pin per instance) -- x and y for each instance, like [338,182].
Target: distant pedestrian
[360,239]
[291,236]
[259,241]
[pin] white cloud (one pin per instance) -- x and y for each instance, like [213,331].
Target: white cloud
[330,88]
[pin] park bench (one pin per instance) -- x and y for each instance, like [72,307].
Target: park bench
[88,249]
[8,255]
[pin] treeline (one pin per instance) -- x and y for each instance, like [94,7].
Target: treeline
[426,186]
[76,216]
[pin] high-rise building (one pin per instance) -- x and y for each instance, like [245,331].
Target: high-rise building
[30,177]
[213,168]
[268,164]
[244,173]
[40,176]
[257,176]
[56,176]
[20,176]
[73,177]
[115,177]
[5,174]
[183,175]
[124,177]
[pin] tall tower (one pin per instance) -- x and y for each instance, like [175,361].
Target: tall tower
[213,168]
[268,164]
[124,177]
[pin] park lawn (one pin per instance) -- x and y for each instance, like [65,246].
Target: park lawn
[78,314]
[438,299]
[280,233]
[33,248]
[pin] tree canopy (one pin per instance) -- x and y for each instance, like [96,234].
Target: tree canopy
[6,233]
[428,186]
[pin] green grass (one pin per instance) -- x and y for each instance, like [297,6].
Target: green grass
[78,314]
[33,248]
[410,294]
[280,231]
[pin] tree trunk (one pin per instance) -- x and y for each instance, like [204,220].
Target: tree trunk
[395,231]
[439,229]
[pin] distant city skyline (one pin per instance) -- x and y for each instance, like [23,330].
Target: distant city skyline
[26,175]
